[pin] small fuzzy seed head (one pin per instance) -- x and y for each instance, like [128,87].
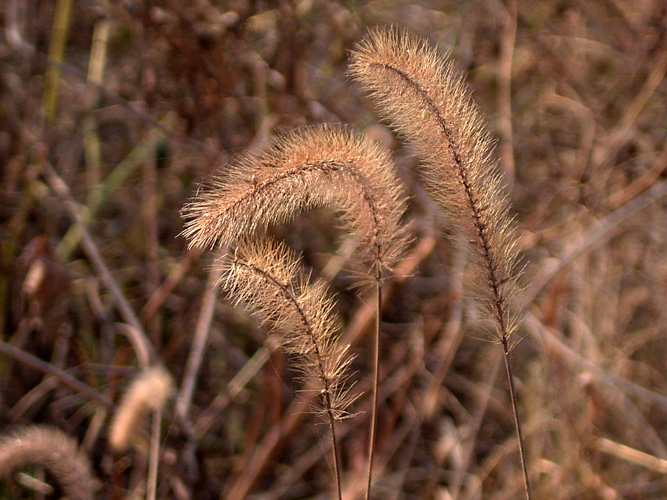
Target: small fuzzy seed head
[265,276]
[54,450]
[150,390]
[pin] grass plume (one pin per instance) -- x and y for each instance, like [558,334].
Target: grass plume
[324,165]
[418,92]
[150,390]
[426,102]
[265,276]
[55,451]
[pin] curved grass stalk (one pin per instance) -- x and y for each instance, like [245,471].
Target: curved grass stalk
[54,450]
[317,166]
[325,165]
[266,276]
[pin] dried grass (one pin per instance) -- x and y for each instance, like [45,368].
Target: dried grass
[183,92]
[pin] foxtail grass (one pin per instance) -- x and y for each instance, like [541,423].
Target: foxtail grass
[267,277]
[149,391]
[55,451]
[422,97]
[310,167]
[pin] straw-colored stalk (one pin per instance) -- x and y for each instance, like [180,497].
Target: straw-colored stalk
[266,277]
[426,102]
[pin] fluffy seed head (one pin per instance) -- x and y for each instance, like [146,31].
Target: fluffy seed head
[309,167]
[265,276]
[54,450]
[150,390]
[426,102]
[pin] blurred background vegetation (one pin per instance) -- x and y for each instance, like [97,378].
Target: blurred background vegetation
[111,112]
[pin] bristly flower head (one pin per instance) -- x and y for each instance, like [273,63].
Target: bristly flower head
[54,450]
[417,91]
[309,167]
[265,276]
[150,390]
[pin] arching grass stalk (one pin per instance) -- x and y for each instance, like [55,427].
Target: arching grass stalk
[55,451]
[324,165]
[266,277]
[309,167]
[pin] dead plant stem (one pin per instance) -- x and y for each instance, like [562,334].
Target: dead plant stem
[153,460]
[334,447]
[139,338]
[199,343]
[376,380]
[62,376]
[515,411]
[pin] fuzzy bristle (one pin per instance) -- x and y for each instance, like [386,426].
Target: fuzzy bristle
[310,167]
[266,276]
[150,390]
[417,90]
[54,450]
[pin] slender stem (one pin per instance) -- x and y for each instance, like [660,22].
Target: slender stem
[317,351]
[63,377]
[334,446]
[61,23]
[517,422]
[199,344]
[153,460]
[136,332]
[376,381]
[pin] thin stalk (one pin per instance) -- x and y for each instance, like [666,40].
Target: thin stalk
[135,330]
[334,446]
[61,22]
[62,376]
[91,140]
[153,460]
[376,380]
[517,421]
[267,280]
[328,403]
[424,99]
[199,343]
